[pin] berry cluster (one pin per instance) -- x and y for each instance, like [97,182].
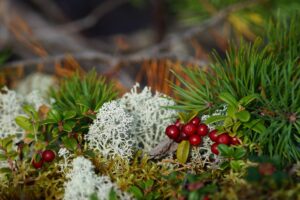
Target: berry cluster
[194,130]
[223,138]
[47,156]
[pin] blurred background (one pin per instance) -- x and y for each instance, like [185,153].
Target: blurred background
[124,40]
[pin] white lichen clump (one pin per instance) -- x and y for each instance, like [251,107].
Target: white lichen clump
[110,132]
[137,120]
[36,81]
[83,183]
[150,115]
[10,108]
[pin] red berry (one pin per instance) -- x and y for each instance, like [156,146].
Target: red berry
[202,130]
[213,135]
[178,123]
[195,140]
[214,148]
[234,141]
[48,156]
[195,121]
[189,129]
[172,132]
[37,164]
[223,139]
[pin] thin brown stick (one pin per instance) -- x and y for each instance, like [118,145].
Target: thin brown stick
[91,19]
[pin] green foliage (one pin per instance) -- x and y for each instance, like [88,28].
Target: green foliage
[271,71]
[238,121]
[83,95]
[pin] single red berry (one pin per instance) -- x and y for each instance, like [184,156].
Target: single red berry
[189,129]
[213,135]
[178,123]
[234,141]
[202,130]
[196,121]
[48,156]
[37,164]
[223,139]
[195,140]
[214,148]
[172,132]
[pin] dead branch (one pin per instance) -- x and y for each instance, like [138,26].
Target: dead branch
[74,44]
[93,17]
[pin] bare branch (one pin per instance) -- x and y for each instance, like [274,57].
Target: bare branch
[93,17]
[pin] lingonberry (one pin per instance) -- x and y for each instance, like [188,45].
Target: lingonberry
[48,156]
[213,135]
[172,132]
[223,139]
[234,141]
[195,140]
[195,121]
[178,123]
[37,164]
[189,129]
[214,148]
[202,130]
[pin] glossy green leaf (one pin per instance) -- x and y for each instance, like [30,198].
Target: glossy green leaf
[225,150]
[54,115]
[30,111]
[24,123]
[243,116]
[70,143]
[183,151]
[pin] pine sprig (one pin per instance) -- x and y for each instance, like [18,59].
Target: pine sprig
[82,94]
[271,70]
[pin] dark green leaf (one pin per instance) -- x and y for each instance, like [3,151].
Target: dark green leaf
[225,150]
[70,143]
